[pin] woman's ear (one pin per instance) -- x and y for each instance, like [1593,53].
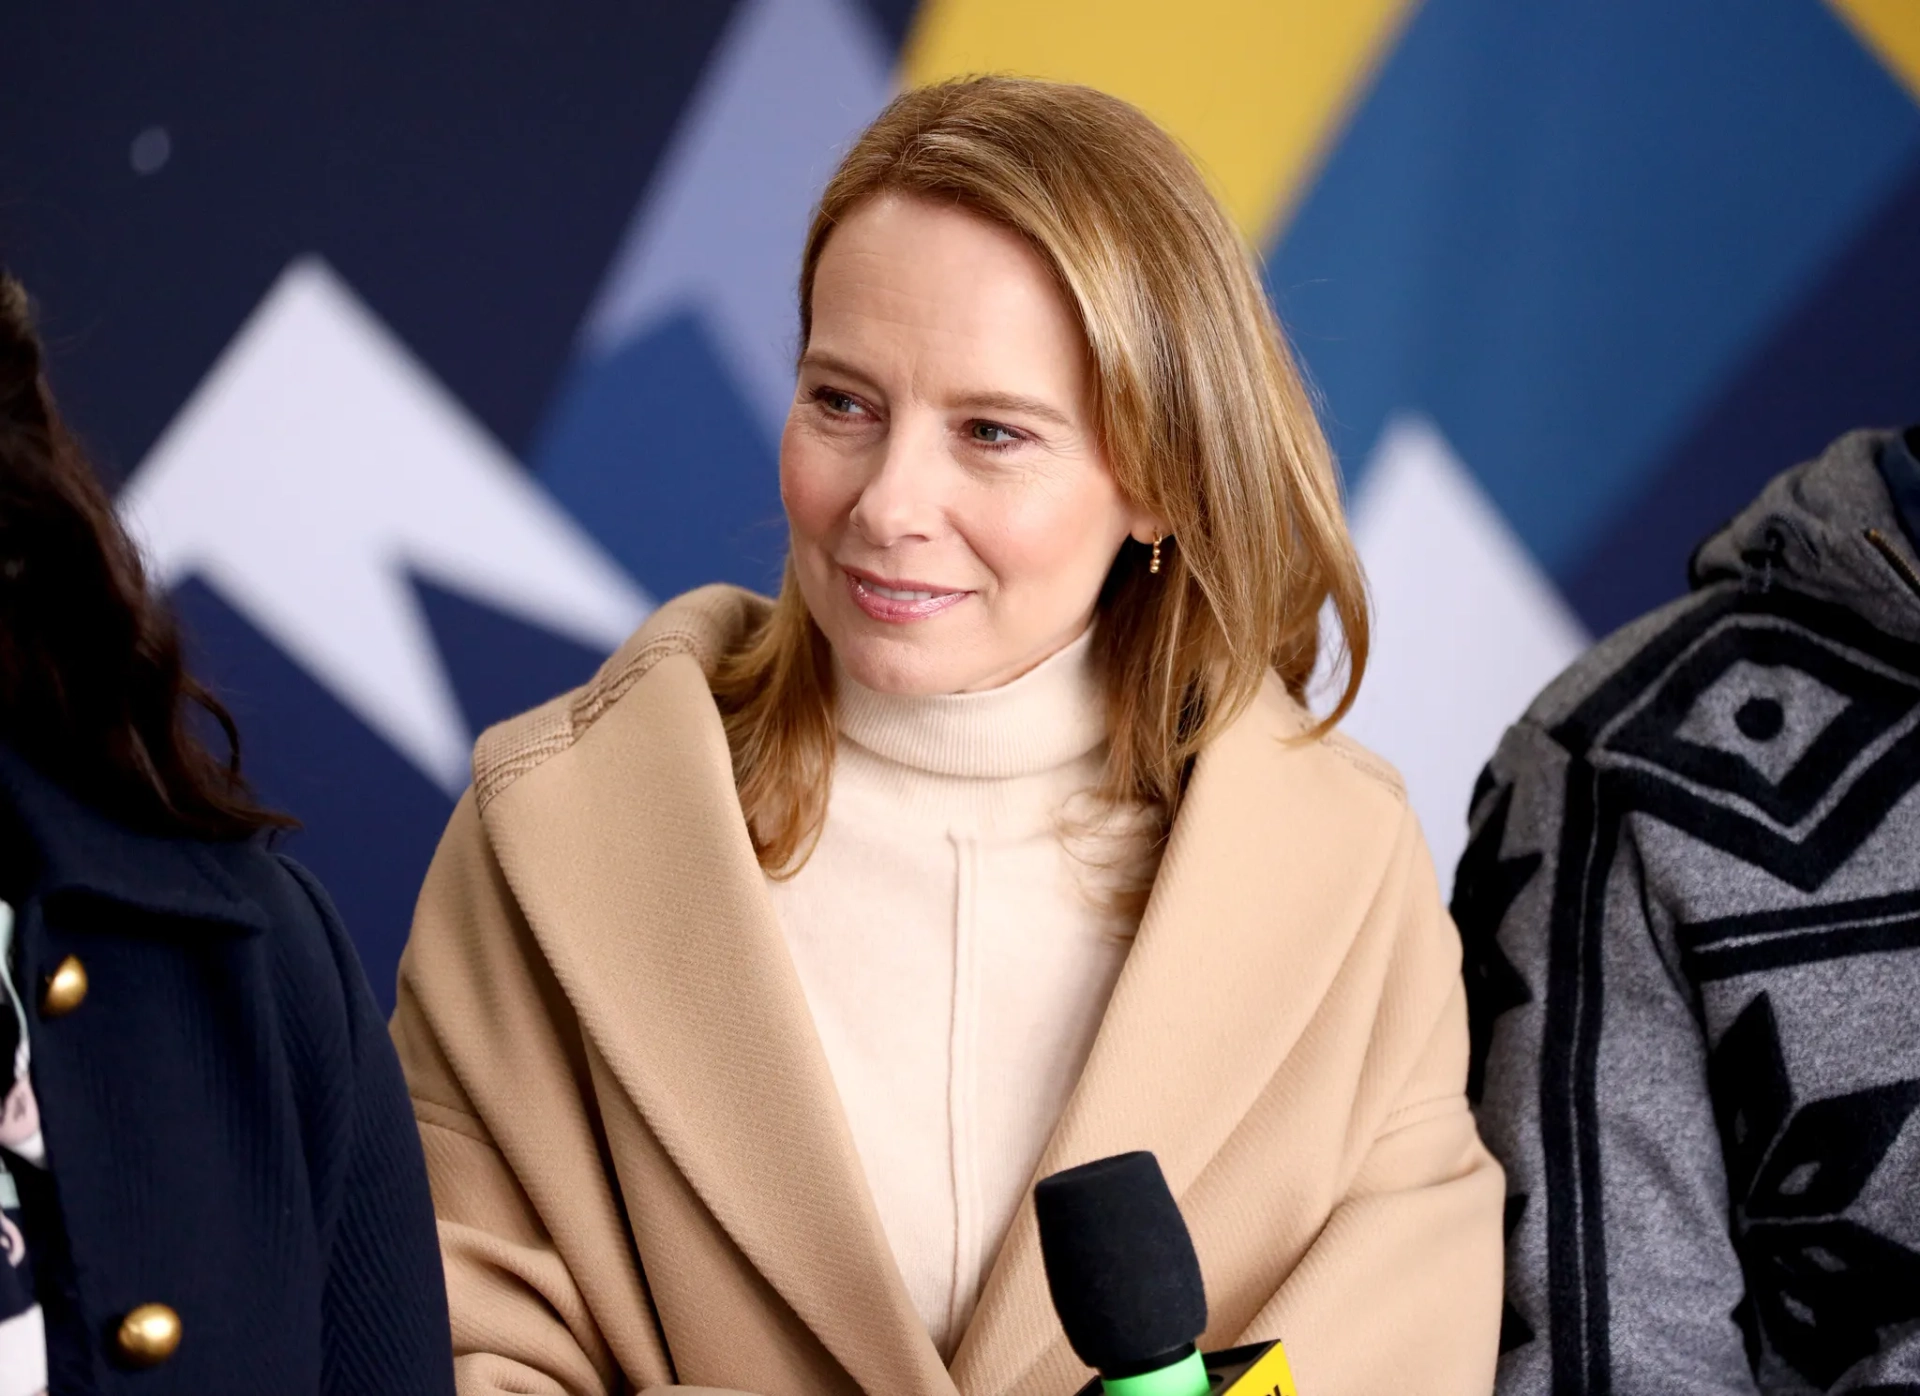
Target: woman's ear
[1146,528]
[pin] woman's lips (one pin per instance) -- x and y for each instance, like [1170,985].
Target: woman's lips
[897,603]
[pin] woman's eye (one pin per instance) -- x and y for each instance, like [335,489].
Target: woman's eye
[992,434]
[838,403]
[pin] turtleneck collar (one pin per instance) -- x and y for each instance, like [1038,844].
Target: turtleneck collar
[1052,714]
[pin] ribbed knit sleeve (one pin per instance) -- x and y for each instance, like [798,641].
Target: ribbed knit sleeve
[384,1321]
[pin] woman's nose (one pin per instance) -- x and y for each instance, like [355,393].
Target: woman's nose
[899,500]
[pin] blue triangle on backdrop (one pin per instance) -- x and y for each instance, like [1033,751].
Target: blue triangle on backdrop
[370,820]
[656,454]
[499,665]
[1846,356]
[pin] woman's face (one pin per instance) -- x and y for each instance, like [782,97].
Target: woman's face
[952,514]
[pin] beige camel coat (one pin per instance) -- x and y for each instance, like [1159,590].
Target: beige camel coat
[641,1168]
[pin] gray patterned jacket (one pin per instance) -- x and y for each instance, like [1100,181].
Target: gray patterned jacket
[1691,914]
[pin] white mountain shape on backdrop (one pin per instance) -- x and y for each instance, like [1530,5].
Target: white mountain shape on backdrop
[719,234]
[1467,628]
[316,467]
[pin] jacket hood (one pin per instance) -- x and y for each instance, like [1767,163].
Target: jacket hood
[1827,527]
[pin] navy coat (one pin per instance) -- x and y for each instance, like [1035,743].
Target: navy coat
[225,1121]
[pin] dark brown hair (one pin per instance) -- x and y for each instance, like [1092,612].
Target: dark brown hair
[93,690]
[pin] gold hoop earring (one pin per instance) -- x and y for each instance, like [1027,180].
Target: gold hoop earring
[1153,563]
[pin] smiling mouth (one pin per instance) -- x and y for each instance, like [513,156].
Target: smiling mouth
[899,593]
[899,604]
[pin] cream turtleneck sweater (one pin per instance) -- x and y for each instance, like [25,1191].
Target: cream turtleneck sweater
[957,954]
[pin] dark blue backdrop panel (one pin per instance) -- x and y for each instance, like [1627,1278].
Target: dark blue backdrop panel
[371,820]
[893,18]
[468,167]
[1554,228]
[655,452]
[499,665]
[1848,356]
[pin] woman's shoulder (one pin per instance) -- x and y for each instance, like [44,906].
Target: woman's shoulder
[315,969]
[1274,779]
[138,885]
[1285,813]
[142,895]
[1279,729]
[699,626]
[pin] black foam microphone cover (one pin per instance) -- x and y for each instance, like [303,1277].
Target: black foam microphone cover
[1120,1264]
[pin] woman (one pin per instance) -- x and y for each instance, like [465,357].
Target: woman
[208,1179]
[756,981]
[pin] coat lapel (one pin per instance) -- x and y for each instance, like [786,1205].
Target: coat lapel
[1257,899]
[630,859]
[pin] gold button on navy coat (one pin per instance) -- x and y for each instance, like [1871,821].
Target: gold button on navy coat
[149,1335]
[237,1201]
[66,989]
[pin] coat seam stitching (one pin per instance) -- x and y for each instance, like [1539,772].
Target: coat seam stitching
[491,781]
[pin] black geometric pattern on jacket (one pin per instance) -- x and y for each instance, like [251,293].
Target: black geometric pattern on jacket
[1484,887]
[1820,1287]
[1730,946]
[1515,1331]
[1651,766]
[1797,814]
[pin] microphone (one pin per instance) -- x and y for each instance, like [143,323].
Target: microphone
[1126,1284]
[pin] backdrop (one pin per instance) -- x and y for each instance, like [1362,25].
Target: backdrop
[427,348]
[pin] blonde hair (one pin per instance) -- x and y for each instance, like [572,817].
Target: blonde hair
[1202,414]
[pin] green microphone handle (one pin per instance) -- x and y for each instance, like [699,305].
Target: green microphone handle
[1187,1377]
[1258,1369]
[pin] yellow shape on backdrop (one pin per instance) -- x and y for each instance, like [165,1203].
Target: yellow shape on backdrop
[1256,89]
[1891,28]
